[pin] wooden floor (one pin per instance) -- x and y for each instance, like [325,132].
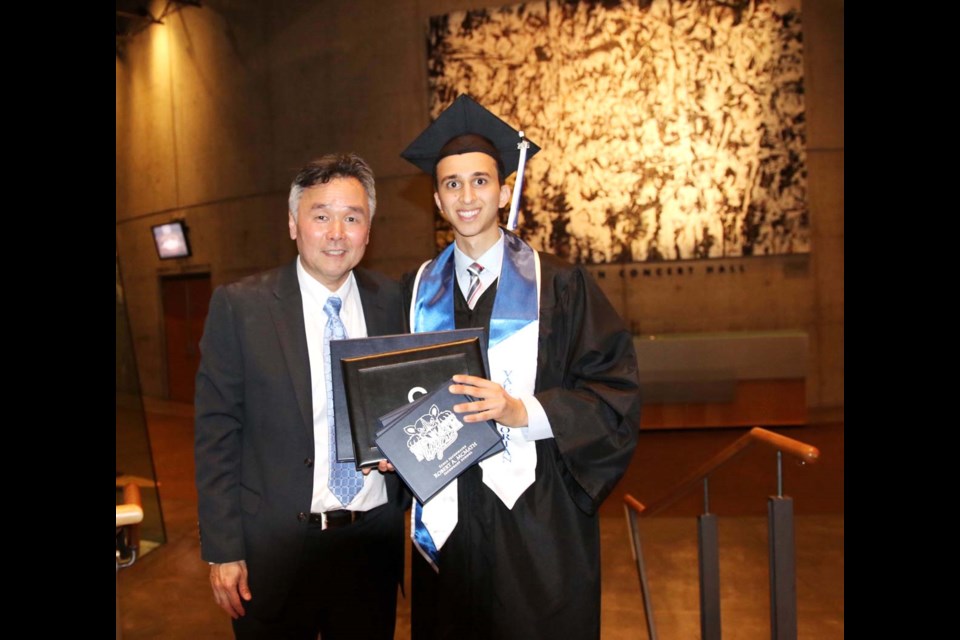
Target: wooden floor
[165,594]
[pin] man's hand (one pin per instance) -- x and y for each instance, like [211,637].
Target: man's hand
[229,582]
[494,404]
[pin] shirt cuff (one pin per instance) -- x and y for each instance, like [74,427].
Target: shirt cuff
[538,425]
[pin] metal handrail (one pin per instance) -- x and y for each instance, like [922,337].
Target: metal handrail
[129,517]
[807,454]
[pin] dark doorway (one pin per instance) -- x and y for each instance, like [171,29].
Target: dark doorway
[185,302]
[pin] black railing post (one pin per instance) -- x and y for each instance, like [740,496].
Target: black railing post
[709,555]
[783,580]
[634,526]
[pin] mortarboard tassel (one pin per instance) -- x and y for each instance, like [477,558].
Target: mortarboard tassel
[523,145]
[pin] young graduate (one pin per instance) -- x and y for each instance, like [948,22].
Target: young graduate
[512,548]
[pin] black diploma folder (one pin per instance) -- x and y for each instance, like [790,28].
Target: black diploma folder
[377,383]
[429,445]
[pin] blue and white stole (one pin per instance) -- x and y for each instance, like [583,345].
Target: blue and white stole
[512,354]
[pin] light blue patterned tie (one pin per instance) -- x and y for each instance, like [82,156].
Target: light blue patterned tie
[345,481]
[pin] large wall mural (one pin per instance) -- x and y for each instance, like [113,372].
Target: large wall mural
[670,129]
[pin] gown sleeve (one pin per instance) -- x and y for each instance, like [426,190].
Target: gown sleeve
[586,382]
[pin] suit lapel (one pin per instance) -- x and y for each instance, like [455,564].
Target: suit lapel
[287,311]
[373,314]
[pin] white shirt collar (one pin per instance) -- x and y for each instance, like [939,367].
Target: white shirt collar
[310,286]
[491,261]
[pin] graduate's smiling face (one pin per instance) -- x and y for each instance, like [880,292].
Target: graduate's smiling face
[332,229]
[470,197]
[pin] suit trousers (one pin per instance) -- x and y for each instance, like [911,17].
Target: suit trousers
[345,586]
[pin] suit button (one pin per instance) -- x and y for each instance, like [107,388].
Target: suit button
[302,517]
[308,462]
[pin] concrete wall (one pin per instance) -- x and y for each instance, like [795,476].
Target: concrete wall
[218,108]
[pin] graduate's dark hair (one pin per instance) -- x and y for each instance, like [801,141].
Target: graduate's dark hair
[469,143]
[326,168]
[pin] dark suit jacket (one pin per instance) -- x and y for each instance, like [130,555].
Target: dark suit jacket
[254,425]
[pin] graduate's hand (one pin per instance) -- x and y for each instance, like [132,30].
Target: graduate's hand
[494,403]
[229,582]
[383,467]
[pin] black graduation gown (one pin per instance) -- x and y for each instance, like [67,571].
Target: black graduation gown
[534,571]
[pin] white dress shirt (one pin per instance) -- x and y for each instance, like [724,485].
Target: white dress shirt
[314,294]
[538,425]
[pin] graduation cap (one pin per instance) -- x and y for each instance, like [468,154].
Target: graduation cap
[481,129]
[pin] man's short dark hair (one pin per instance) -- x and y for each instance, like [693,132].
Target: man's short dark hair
[328,167]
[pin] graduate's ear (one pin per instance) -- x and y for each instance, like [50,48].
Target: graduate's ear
[436,198]
[504,195]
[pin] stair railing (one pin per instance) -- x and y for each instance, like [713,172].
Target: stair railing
[783,591]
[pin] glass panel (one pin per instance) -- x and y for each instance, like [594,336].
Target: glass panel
[134,458]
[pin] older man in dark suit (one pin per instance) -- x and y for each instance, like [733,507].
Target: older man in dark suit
[298,544]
